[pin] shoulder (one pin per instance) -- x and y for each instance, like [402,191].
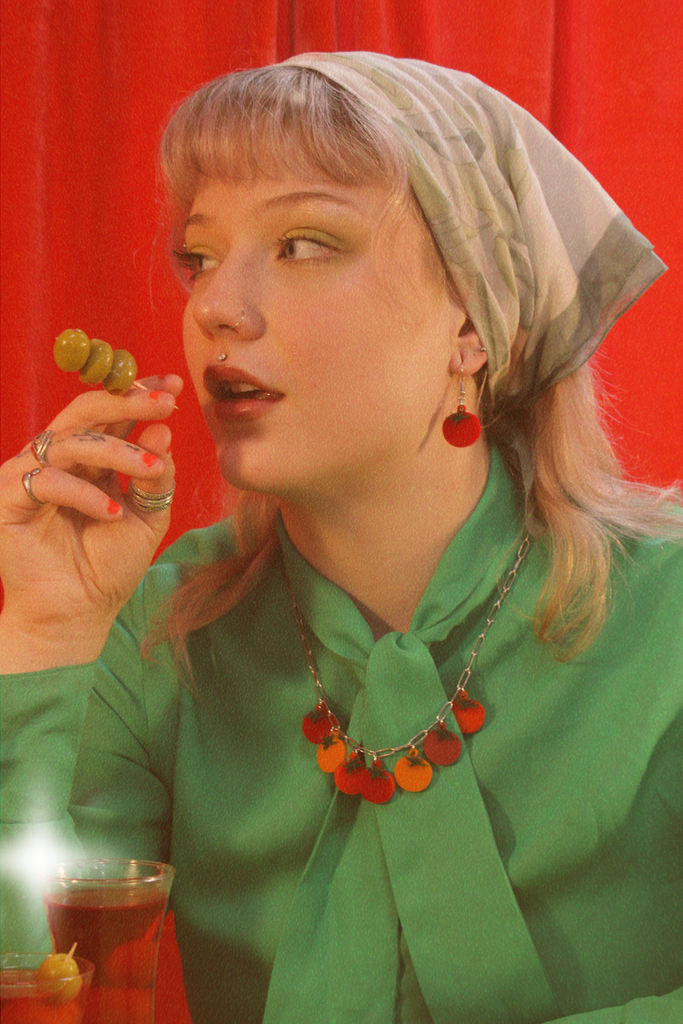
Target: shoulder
[644,631]
[194,549]
[650,572]
[210,544]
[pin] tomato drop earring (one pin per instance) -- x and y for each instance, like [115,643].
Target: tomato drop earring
[461,428]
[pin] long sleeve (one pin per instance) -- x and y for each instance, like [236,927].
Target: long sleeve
[42,722]
[82,772]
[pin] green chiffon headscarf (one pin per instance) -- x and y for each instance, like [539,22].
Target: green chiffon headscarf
[543,259]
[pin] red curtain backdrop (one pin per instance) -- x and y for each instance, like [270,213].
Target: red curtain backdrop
[87,85]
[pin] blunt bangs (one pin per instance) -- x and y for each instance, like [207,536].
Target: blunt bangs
[274,121]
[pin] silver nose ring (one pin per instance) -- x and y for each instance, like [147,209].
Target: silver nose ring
[233,327]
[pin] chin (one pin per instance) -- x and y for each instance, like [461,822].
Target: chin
[250,473]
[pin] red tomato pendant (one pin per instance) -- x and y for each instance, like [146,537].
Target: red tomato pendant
[376,784]
[469,714]
[349,774]
[318,723]
[442,746]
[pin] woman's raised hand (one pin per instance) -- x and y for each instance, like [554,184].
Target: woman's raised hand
[73,546]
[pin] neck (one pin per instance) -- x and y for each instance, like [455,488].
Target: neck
[383,546]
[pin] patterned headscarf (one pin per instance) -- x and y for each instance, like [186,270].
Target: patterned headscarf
[543,259]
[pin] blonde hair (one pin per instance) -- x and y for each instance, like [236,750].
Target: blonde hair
[263,121]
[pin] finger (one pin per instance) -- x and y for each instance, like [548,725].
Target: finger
[169,382]
[142,492]
[99,409]
[87,453]
[156,438]
[52,488]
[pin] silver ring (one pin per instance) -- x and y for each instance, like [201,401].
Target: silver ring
[26,481]
[233,327]
[147,501]
[40,444]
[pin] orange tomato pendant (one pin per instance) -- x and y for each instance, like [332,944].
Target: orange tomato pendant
[469,714]
[413,773]
[331,752]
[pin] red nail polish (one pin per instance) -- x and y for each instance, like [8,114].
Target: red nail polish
[149,459]
[155,394]
[113,507]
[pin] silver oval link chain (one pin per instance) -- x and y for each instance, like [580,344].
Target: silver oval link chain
[414,742]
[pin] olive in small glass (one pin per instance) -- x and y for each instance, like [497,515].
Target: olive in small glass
[34,990]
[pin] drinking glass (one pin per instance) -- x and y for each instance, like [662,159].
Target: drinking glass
[114,910]
[26,1000]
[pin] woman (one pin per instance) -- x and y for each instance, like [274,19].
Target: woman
[370,245]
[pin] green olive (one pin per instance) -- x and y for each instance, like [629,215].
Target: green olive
[123,372]
[59,978]
[99,362]
[71,350]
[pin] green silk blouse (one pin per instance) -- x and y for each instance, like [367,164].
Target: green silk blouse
[538,878]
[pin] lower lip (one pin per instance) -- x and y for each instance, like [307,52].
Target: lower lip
[237,409]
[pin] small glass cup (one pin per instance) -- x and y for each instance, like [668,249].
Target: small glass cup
[114,910]
[26,1000]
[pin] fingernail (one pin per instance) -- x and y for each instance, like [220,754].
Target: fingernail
[154,395]
[149,459]
[113,508]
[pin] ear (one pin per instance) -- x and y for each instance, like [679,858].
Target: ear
[468,351]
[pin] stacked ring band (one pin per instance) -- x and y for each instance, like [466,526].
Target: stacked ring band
[146,501]
[26,481]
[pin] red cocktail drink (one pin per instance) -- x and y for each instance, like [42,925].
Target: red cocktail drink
[117,923]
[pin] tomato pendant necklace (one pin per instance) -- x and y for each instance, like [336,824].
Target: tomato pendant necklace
[361,771]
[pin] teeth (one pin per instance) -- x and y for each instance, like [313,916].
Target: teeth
[240,387]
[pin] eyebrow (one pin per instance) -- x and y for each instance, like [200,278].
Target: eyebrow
[293,198]
[288,199]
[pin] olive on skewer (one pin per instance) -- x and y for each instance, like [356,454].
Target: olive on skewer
[98,363]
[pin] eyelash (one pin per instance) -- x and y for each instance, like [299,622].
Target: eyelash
[287,239]
[190,263]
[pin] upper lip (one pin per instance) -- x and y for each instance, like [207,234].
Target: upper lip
[218,381]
